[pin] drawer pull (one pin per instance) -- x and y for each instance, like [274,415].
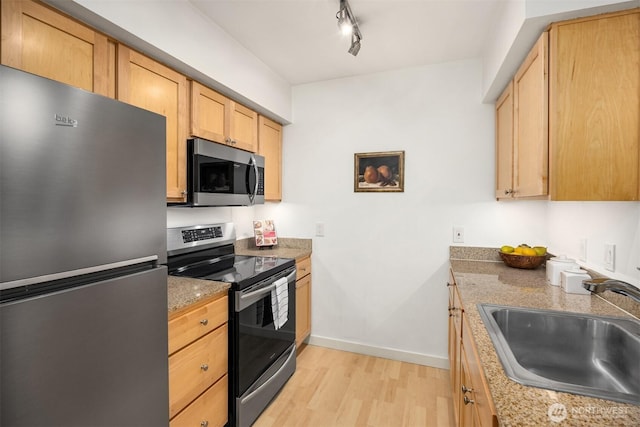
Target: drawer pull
[204,367]
[204,322]
[465,389]
[204,423]
[468,401]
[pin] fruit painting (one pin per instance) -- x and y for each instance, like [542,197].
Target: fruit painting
[382,171]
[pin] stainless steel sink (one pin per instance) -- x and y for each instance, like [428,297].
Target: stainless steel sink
[594,356]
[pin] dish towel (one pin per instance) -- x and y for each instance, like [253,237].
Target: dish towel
[280,302]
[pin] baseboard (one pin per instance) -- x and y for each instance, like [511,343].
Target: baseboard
[387,353]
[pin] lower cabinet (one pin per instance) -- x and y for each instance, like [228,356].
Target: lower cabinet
[471,397]
[198,364]
[303,300]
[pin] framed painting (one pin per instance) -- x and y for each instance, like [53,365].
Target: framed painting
[382,171]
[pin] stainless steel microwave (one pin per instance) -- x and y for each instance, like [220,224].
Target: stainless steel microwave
[219,175]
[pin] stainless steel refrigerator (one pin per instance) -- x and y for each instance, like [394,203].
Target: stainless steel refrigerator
[83,292]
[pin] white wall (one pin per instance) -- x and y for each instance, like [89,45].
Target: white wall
[379,272]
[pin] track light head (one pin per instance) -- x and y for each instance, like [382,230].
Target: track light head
[349,26]
[355,45]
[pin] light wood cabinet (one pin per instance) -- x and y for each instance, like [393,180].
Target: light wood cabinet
[303,300]
[576,134]
[210,114]
[270,146]
[243,127]
[198,364]
[522,129]
[471,397]
[148,84]
[504,143]
[219,119]
[595,108]
[42,41]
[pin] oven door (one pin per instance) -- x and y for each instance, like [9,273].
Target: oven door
[260,355]
[223,176]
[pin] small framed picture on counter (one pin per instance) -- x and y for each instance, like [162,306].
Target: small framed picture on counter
[264,231]
[382,171]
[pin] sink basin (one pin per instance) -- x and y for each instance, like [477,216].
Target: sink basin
[583,354]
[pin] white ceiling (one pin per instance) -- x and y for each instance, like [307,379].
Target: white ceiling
[300,41]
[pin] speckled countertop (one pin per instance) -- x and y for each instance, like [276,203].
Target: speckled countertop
[287,248]
[185,293]
[490,281]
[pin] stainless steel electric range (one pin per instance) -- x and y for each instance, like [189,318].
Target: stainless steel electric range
[262,351]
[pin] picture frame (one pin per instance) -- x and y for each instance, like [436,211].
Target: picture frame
[379,172]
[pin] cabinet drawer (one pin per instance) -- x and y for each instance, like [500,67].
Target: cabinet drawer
[303,267]
[194,324]
[209,410]
[193,369]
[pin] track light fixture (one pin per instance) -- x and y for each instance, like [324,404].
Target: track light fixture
[349,26]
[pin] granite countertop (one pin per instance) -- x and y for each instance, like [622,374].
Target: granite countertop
[184,292]
[490,281]
[286,248]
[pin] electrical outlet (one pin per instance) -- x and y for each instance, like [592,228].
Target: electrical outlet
[583,250]
[458,234]
[320,229]
[610,256]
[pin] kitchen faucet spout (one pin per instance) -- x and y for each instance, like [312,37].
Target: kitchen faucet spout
[600,285]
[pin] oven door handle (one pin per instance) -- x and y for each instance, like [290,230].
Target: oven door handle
[245,300]
[251,297]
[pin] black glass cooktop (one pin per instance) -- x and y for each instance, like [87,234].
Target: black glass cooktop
[239,270]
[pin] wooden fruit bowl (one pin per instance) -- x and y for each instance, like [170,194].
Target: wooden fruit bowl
[522,261]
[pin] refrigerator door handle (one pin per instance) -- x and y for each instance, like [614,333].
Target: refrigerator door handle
[74,273]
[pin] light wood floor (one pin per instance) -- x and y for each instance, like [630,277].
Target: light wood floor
[337,388]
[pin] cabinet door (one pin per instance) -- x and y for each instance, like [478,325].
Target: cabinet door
[595,108]
[531,144]
[243,127]
[504,144]
[42,41]
[270,146]
[303,309]
[210,114]
[148,84]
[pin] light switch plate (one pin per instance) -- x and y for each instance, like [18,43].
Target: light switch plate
[610,256]
[320,229]
[583,250]
[458,234]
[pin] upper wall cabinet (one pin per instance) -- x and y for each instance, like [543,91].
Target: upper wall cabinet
[217,118]
[594,113]
[584,129]
[521,129]
[504,144]
[148,84]
[42,41]
[243,127]
[270,146]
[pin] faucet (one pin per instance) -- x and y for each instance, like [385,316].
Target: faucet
[618,286]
